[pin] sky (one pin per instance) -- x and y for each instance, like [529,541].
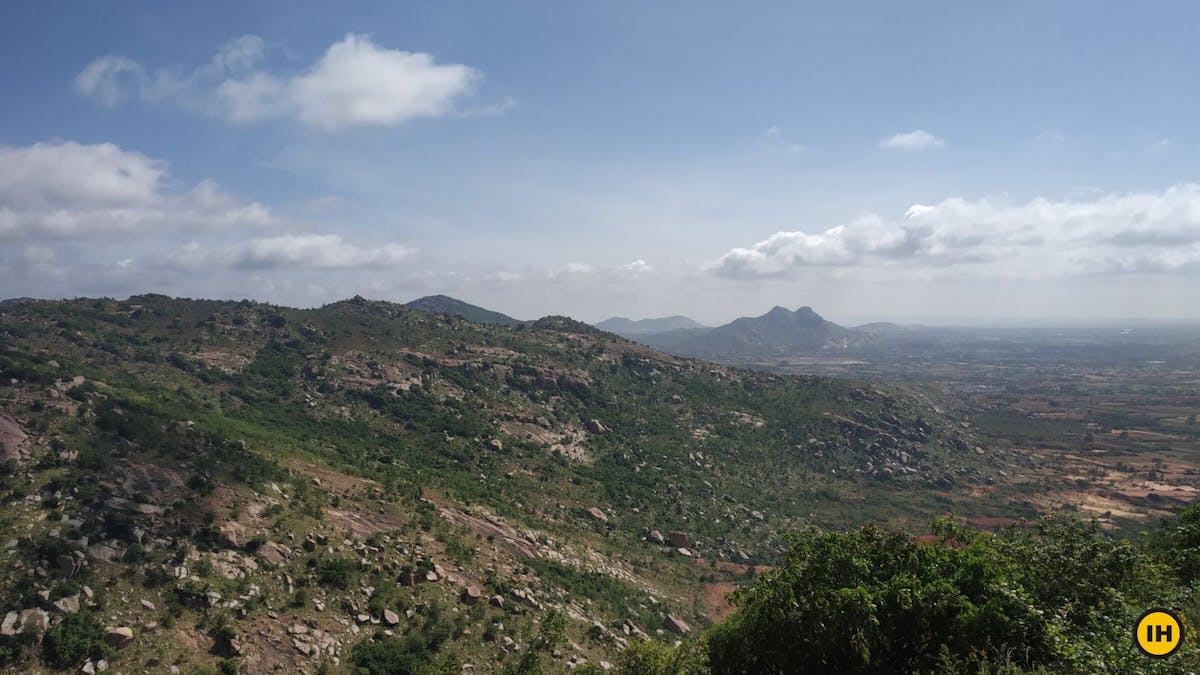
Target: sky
[941,162]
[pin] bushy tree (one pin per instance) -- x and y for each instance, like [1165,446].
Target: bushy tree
[1062,595]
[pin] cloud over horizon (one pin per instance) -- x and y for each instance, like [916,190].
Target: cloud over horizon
[1118,232]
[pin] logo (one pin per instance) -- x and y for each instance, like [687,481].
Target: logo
[1158,633]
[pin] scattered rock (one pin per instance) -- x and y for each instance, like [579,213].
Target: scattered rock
[67,564]
[68,605]
[101,552]
[275,553]
[33,622]
[232,534]
[12,622]
[679,539]
[119,637]
[676,625]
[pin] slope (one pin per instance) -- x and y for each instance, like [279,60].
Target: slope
[280,484]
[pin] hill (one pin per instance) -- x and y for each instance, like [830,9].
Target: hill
[630,328]
[280,485]
[444,304]
[779,332]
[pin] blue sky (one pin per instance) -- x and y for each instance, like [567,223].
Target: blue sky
[947,162]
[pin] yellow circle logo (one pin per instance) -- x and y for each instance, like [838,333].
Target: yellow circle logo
[1158,633]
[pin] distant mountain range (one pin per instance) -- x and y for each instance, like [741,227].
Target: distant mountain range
[626,327]
[776,334]
[779,332]
[444,304]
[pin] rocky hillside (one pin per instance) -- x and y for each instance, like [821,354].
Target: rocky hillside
[212,485]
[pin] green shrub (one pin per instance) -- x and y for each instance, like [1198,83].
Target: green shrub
[400,656]
[337,572]
[647,657]
[79,636]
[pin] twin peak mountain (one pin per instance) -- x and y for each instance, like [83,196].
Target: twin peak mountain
[779,332]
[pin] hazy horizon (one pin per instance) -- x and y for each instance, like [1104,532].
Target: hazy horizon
[948,165]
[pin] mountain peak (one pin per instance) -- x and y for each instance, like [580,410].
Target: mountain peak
[444,304]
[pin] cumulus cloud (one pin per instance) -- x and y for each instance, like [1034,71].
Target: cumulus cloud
[66,190]
[1127,232]
[912,140]
[354,83]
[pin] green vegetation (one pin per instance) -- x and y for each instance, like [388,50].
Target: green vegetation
[1061,596]
[79,636]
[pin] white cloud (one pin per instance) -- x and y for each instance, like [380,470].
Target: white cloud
[912,140]
[70,190]
[291,251]
[355,83]
[322,251]
[1131,232]
[103,78]
[112,78]
[634,269]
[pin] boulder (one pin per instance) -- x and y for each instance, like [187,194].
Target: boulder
[496,601]
[102,552]
[274,553]
[119,637]
[67,564]
[390,617]
[11,624]
[495,445]
[232,534]
[656,537]
[34,622]
[679,540]
[471,595]
[676,625]
[595,426]
[68,605]
[598,514]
